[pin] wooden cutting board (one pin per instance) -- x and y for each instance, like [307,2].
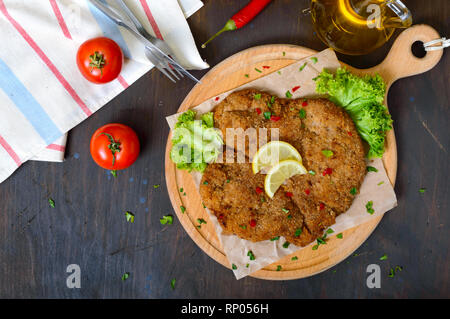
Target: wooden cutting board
[230,74]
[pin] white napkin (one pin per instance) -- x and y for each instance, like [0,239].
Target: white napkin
[42,93]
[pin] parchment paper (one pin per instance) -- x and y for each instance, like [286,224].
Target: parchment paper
[376,186]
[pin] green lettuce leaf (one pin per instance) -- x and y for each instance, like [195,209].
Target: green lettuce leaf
[362,98]
[195,143]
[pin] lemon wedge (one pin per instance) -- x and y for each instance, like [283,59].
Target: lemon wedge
[281,172]
[272,153]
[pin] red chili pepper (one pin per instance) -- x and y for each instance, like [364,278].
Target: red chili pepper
[217,98]
[304,103]
[295,88]
[322,206]
[327,171]
[289,194]
[275,118]
[307,191]
[266,67]
[252,223]
[244,16]
[258,110]
[259,190]
[349,133]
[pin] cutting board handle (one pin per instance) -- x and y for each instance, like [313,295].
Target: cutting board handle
[401,62]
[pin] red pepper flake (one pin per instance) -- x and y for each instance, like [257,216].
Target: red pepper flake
[322,206]
[258,110]
[307,191]
[305,103]
[217,98]
[252,223]
[349,133]
[275,118]
[289,194]
[266,67]
[221,216]
[259,190]
[295,88]
[327,171]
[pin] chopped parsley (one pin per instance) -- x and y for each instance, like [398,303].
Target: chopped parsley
[288,94]
[284,53]
[294,258]
[172,283]
[314,59]
[302,113]
[384,257]
[327,153]
[422,190]
[205,183]
[113,172]
[298,232]
[371,169]
[246,266]
[267,115]
[246,75]
[233,266]
[275,238]
[125,276]
[51,202]
[278,267]
[258,70]
[353,191]
[311,172]
[228,180]
[289,216]
[257,96]
[201,221]
[156,186]
[250,255]
[243,226]
[286,244]
[183,209]
[285,210]
[303,66]
[369,207]
[129,216]
[340,235]
[181,189]
[167,219]
[330,231]
[380,183]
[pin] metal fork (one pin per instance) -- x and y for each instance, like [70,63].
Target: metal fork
[162,62]
[157,42]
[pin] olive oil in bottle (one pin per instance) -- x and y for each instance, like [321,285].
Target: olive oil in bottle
[358,26]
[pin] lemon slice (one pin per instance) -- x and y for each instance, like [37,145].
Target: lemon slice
[281,172]
[272,153]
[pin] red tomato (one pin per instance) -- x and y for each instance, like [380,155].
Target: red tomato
[100,60]
[115,146]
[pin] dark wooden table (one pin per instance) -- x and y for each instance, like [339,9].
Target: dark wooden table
[88,226]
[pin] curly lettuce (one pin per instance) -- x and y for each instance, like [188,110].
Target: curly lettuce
[362,98]
[195,143]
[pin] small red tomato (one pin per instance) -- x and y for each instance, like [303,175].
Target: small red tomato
[100,60]
[114,146]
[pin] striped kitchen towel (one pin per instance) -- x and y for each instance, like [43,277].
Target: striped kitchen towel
[42,93]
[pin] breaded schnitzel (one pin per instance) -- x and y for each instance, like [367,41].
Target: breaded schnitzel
[307,204]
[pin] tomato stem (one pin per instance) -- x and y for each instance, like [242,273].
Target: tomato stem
[114,146]
[97,61]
